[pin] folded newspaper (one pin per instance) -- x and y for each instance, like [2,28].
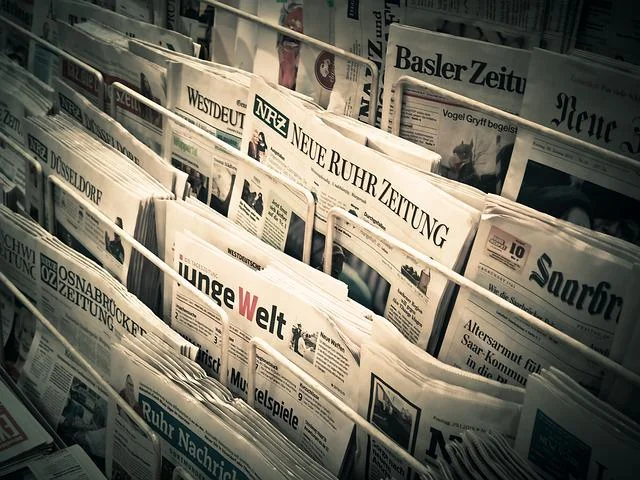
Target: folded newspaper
[340,172]
[112,133]
[423,405]
[23,438]
[556,437]
[475,146]
[74,11]
[557,272]
[110,184]
[584,99]
[68,462]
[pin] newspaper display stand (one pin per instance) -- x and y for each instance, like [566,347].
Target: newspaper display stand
[313,42]
[277,177]
[89,370]
[97,76]
[55,181]
[407,80]
[612,366]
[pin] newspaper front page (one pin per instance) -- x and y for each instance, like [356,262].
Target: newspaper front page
[547,271]
[554,435]
[420,414]
[575,184]
[375,188]
[214,102]
[259,308]
[68,462]
[586,100]
[70,399]
[474,145]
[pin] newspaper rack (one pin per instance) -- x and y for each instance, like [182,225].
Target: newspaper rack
[54,180]
[168,114]
[464,282]
[61,53]
[89,370]
[407,80]
[348,412]
[314,42]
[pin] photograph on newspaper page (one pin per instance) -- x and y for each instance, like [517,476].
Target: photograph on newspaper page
[575,184]
[473,144]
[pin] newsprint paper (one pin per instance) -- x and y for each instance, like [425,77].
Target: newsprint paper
[547,270]
[586,100]
[584,186]
[473,145]
[258,308]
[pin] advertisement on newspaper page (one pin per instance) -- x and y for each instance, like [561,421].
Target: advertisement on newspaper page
[586,100]
[576,287]
[376,189]
[259,308]
[474,145]
[575,184]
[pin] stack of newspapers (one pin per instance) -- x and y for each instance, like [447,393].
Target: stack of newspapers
[247,278]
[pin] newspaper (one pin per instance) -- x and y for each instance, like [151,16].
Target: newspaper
[258,308]
[74,11]
[363,29]
[517,24]
[110,132]
[106,50]
[576,184]
[554,436]
[252,195]
[82,300]
[193,18]
[609,30]
[584,99]
[419,413]
[119,190]
[538,265]
[22,435]
[474,145]
[72,462]
[215,102]
[206,437]
[377,189]
[71,401]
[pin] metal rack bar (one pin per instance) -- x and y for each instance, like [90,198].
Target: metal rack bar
[80,360]
[314,42]
[407,80]
[338,404]
[303,192]
[54,180]
[336,213]
[61,53]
